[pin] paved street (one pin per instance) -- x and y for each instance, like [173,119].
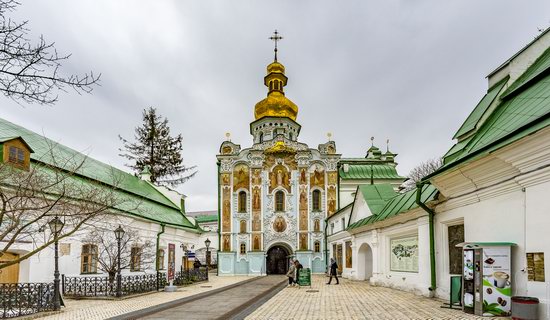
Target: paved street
[245,296]
[351,300]
[104,309]
[222,305]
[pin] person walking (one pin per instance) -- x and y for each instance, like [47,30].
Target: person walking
[333,271]
[291,273]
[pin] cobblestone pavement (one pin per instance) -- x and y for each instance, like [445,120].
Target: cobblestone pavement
[352,300]
[221,305]
[103,309]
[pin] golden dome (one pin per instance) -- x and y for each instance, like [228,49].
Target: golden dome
[275,67]
[276,104]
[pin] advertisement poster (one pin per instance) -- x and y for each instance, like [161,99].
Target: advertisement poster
[404,254]
[468,276]
[497,281]
[171,261]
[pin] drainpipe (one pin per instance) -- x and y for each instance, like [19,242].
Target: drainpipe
[219,224]
[431,213]
[326,242]
[157,256]
[158,247]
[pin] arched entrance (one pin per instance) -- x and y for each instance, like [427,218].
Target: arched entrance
[277,260]
[364,265]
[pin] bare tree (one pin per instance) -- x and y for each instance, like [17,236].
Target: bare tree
[30,72]
[107,247]
[29,199]
[420,171]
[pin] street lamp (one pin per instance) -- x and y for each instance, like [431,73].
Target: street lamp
[207,244]
[119,233]
[55,227]
[185,251]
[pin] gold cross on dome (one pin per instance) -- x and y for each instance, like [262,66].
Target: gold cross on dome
[276,37]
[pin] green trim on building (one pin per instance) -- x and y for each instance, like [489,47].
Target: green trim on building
[377,195]
[135,196]
[471,122]
[206,218]
[522,110]
[363,172]
[399,204]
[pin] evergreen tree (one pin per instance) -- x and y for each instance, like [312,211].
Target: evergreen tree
[156,149]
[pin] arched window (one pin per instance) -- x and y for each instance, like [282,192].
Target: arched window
[317,225]
[316,200]
[261,137]
[243,226]
[135,259]
[161,259]
[243,248]
[317,246]
[88,259]
[242,201]
[279,201]
[290,136]
[271,86]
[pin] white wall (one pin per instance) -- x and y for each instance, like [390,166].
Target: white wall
[40,267]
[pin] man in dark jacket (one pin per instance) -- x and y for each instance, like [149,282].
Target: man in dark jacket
[333,271]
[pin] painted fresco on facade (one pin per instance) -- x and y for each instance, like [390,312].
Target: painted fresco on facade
[241,177]
[279,177]
[279,173]
[317,176]
[226,209]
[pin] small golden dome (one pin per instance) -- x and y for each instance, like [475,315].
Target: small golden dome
[275,67]
[276,105]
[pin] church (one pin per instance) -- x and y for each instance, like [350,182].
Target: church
[275,195]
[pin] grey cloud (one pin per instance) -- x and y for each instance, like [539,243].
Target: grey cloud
[410,71]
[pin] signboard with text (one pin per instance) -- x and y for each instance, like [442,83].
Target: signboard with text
[404,254]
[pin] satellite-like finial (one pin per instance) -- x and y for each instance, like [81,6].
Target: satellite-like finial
[228,136]
[329,135]
[276,37]
[372,141]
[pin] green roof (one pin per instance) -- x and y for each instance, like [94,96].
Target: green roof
[522,110]
[152,204]
[480,109]
[363,172]
[376,195]
[206,218]
[399,204]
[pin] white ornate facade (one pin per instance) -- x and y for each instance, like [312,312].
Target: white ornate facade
[275,195]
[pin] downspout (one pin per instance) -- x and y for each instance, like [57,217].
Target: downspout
[158,247]
[326,242]
[431,214]
[157,256]
[338,166]
[219,223]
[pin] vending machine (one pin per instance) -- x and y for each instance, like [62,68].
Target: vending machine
[487,278]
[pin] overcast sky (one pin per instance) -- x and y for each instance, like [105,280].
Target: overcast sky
[410,71]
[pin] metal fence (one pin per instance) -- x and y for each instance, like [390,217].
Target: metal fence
[105,287]
[19,299]
[189,276]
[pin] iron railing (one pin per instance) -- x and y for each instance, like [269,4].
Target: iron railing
[103,286]
[20,299]
[189,276]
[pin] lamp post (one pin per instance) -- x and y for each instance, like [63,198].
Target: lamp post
[55,227]
[207,244]
[119,233]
